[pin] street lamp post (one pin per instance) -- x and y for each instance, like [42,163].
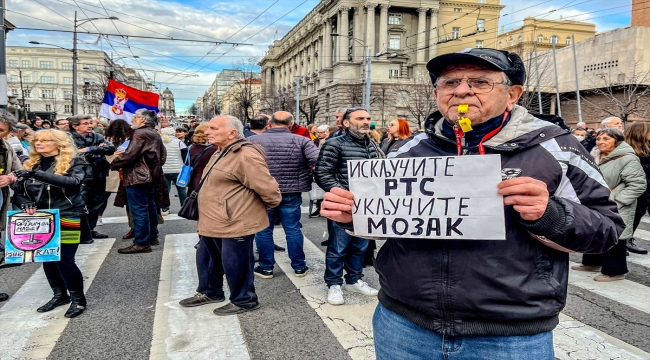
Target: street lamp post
[367,64]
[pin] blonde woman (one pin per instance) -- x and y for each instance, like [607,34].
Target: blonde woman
[51,179]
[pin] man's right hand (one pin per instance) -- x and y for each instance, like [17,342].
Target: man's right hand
[118,153]
[337,205]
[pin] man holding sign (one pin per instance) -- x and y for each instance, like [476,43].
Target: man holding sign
[451,283]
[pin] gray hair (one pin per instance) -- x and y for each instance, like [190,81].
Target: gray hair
[150,117]
[20,127]
[8,118]
[607,120]
[340,110]
[234,123]
[613,133]
[76,120]
[323,128]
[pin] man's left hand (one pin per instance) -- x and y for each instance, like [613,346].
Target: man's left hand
[118,153]
[6,180]
[528,196]
[82,150]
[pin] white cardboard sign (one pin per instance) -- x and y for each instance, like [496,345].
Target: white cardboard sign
[443,197]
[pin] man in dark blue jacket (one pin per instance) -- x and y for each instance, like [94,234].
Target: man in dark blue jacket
[290,159]
[483,299]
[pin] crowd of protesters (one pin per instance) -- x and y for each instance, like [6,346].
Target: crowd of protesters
[584,190]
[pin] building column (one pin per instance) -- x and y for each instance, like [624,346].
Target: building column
[383,28]
[343,40]
[268,81]
[318,49]
[327,47]
[370,25]
[357,54]
[303,60]
[433,34]
[421,37]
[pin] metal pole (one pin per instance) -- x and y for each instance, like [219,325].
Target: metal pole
[297,100]
[557,86]
[575,64]
[74,67]
[3,59]
[363,75]
[369,64]
[539,92]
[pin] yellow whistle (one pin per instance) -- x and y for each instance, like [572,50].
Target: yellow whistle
[463,109]
[465,124]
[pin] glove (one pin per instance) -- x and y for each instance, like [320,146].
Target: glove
[25,174]
[28,206]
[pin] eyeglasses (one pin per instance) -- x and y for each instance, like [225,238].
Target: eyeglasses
[478,85]
[44,141]
[348,111]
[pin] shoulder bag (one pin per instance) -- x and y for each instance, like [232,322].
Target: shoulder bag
[185,175]
[190,208]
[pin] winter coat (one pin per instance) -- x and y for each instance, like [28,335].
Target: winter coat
[141,164]
[512,287]
[289,157]
[174,162]
[198,164]
[387,146]
[625,176]
[51,191]
[98,166]
[332,166]
[236,194]
[12,163]
[300,130]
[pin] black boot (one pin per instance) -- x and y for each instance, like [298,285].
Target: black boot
[78,304]
[60,298]
[633,247]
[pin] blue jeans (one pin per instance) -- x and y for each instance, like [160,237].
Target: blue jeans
[344,252]
[210,282]
[398,338]
[182,191]
[289,210]
[142,203]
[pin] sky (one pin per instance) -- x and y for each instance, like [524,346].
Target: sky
[188,68]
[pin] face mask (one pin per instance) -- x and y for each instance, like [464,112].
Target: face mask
[580,138]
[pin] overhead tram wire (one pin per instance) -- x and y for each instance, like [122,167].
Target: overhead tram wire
[248,38]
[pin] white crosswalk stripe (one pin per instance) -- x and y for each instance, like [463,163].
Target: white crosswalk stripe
[182,333]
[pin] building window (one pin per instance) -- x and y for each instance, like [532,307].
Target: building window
[48,107]
[67,94]
[480,25]
[520,39]
[393,73]
[479,44]
[13,63]
[27,79]
[500,45]
[67,108]
[394,42]
[27,63]
[455,32]
[15,92]
[394,19]
[89,67]
[512,41]
[540,38]
[481,1]
[46,64]
[67,80]
[47,94]
[567,40]
[28,107]
[66,66]
[554,39]
[457,10]
[14,78]
[47,79]
[27,93]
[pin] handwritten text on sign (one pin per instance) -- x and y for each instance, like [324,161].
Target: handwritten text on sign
[451,197]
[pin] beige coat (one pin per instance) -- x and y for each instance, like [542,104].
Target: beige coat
[233,200]
[13,163]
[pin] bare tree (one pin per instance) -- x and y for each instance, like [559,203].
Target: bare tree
[417,97]
[621,94]
[542,68]
[247,93]
[309,108]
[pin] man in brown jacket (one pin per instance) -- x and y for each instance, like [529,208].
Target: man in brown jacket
[143,181]
[237,191]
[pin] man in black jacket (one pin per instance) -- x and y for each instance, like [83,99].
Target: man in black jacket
[485,299]
[343,250]
[94,148]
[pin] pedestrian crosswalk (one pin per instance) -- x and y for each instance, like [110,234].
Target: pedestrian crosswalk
[195,333]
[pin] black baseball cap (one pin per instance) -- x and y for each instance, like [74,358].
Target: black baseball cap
[508,62]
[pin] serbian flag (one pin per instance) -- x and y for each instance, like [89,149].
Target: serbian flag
[122,101]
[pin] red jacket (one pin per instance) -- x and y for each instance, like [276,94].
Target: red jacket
[300,130]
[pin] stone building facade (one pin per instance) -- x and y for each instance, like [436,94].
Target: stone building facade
[400,35]
[542,33]
[166,103]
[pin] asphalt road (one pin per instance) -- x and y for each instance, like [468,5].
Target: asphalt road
[119,321]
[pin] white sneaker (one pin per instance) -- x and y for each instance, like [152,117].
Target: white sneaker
[361,287]
[100,222]
[335,295]
[164,213]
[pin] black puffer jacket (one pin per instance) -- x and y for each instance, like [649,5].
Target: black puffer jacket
[289,157]
[512,287]
[50,191]
[332,165]
[98,166]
